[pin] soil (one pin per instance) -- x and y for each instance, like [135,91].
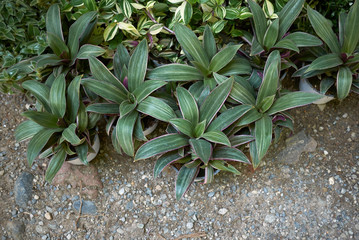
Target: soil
[314,198]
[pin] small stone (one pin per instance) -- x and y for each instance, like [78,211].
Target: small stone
[48,216]
[122,191]
[158,188]
[88,207]
[23,189]
[269,218]
[36,197]
[120,231]
[331,181]
[189,225]
[222,211]
[211,194]
[321,129]
[16,229]
[353,135]
[140,225]
[326,152]
[345,115]
[2,172]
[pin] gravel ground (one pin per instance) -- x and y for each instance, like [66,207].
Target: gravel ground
[315,197]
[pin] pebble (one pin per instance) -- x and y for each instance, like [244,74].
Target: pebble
[48,216]
[2,172]
[326,152]
[36,197]
[269,218]
[331,181]
[122,191]
[223,211]
[345,115]
[23,189]
[189,225]
[321,129]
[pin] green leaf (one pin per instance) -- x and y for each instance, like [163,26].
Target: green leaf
[183,125]
[228,117]
[175,72]
[351,33]
[73,98]
[323,27]
[302,39]
[121,59]
[188,105]
[209,174]
[82,118]
[251,116]
[344,82]
[78,29]
[191,44]
[162,144]
[220,165]
[27,130]
[124,132]
[105,90]
[115,142]
[104,108]
[58,96]
[202,149]
[88,50]
[293,100]
[271,77]
[126,107]
[185,178]
[53,21]
[325,84]
[55,164]
[214,101]
[199,129]
[48,60]
[266,103]
[288,15]
[101,73]
[57,45]
[209,42]
[230,154]
[271,35]
[146,88]
[217,137]
[263,135]
[156,108]
[44,119]
[325,62]
[138,66]
[239,140]
[40,91]
[126,8]
[82,151]
[69,134]
[164,161]
[242,95]
[287,44]
[222,58]
[38,142]
[186,12]
[260,21]
[110,31]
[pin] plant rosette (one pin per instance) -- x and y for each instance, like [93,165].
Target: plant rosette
[61,127]
[90,156]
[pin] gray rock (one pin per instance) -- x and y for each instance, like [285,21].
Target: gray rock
[189,225]
[88,207]
[16,229]
[23,189]
[295,146]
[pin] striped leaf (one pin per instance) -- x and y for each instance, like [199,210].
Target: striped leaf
[302,39]
[53,21]
[146,88]
[44,119]
[271,35]
[202,149]
[183,125]
[40,91]
[69,134]
[263,135]
[162,144]
[242,95]
[260,21]
[104,108]
[88,50]
[137,66]
[175,72]
[288,15]
[185,178]
[164,161]
[221,165]
[230,154]
[344,82]
[191,44]
[73,98]
[323,27]
[188,105]
[217,137]
[156,108]
[351,33]
[222,58]
[239,140]
[325,62]
[214,101]
[27,130]
[58,96]
[124,132]
[55,164]
[209,43]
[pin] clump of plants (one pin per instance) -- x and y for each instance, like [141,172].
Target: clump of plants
[219,96]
